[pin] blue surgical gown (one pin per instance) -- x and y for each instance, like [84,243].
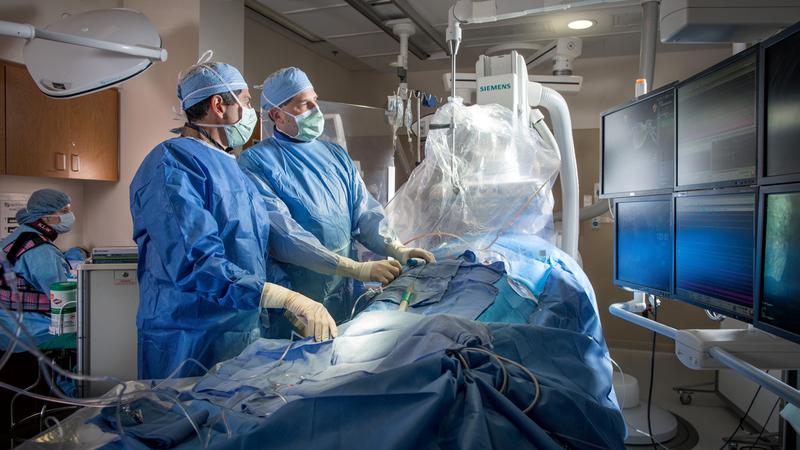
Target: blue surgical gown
[202,231]
[41,266]
[321,189]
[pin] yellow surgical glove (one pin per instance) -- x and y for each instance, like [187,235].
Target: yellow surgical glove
[397,251]
[381,271]
[315,318]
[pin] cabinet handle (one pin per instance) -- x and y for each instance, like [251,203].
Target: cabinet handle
[61,161]
[76,162]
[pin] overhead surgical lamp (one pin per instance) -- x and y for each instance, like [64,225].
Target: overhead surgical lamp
[89,51]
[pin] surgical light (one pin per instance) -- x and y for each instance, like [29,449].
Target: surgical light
[86,52]
[580,24]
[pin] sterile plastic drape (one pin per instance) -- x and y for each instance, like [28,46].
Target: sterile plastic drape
[496,180]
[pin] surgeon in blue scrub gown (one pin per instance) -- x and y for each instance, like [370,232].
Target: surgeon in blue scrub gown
[322,192]
[203,235]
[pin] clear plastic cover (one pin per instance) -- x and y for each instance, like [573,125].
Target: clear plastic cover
[498,181]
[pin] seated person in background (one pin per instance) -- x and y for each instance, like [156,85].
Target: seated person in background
[31,252]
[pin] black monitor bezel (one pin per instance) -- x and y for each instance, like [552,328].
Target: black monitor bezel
[676,295]
[763,178]
[759,275]
[648,96]
[754,50]
[626,284]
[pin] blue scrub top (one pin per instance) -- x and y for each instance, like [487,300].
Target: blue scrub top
[202,231]
[40,266]
[325,195]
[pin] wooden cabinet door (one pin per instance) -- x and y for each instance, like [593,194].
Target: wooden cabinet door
[94,136]
[36,128]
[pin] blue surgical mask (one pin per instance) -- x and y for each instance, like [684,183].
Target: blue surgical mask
[65,225]
[310,124]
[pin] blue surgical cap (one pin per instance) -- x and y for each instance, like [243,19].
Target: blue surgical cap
[207,79]
[42,203]
[282,85]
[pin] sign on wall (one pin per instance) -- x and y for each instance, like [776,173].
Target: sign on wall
[9,205]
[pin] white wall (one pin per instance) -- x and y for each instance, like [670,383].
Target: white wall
[222,30]
[146,117]
[267,51]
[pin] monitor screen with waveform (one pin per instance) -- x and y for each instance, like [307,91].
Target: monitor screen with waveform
[717,135]
[714,251]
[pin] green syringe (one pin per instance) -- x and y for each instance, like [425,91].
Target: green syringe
[405,299]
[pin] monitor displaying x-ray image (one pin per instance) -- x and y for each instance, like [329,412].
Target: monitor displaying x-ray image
[714,252]
[643,244]
[779,304]
[717,135]
[638,145]
[782,105]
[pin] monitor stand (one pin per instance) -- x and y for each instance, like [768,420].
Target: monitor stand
[761,349]
[664,424]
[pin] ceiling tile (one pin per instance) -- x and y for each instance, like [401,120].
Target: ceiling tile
[284,6]
[333,21]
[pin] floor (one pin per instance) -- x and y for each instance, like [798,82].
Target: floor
[708,413]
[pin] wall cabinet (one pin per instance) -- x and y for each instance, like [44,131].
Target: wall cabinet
[74,138]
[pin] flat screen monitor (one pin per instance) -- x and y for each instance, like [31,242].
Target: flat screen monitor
[781,107]
[638,146]
[643,244]
[714,251]
[778,304]
[717,134]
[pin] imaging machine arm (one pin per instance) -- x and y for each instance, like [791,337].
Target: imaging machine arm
[504,80]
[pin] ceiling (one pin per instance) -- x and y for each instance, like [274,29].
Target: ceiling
[343,29]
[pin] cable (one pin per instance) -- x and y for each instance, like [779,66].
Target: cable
[652,373]
[741,420]
[756,445]
[355,303]
[655,444]
[764,427]
[533,378]
[504,371]
[622,381]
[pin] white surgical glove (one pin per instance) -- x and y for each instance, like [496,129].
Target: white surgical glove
[315,318]
[382,271]
[397,251]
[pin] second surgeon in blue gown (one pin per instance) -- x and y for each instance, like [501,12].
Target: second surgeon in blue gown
[321,191]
